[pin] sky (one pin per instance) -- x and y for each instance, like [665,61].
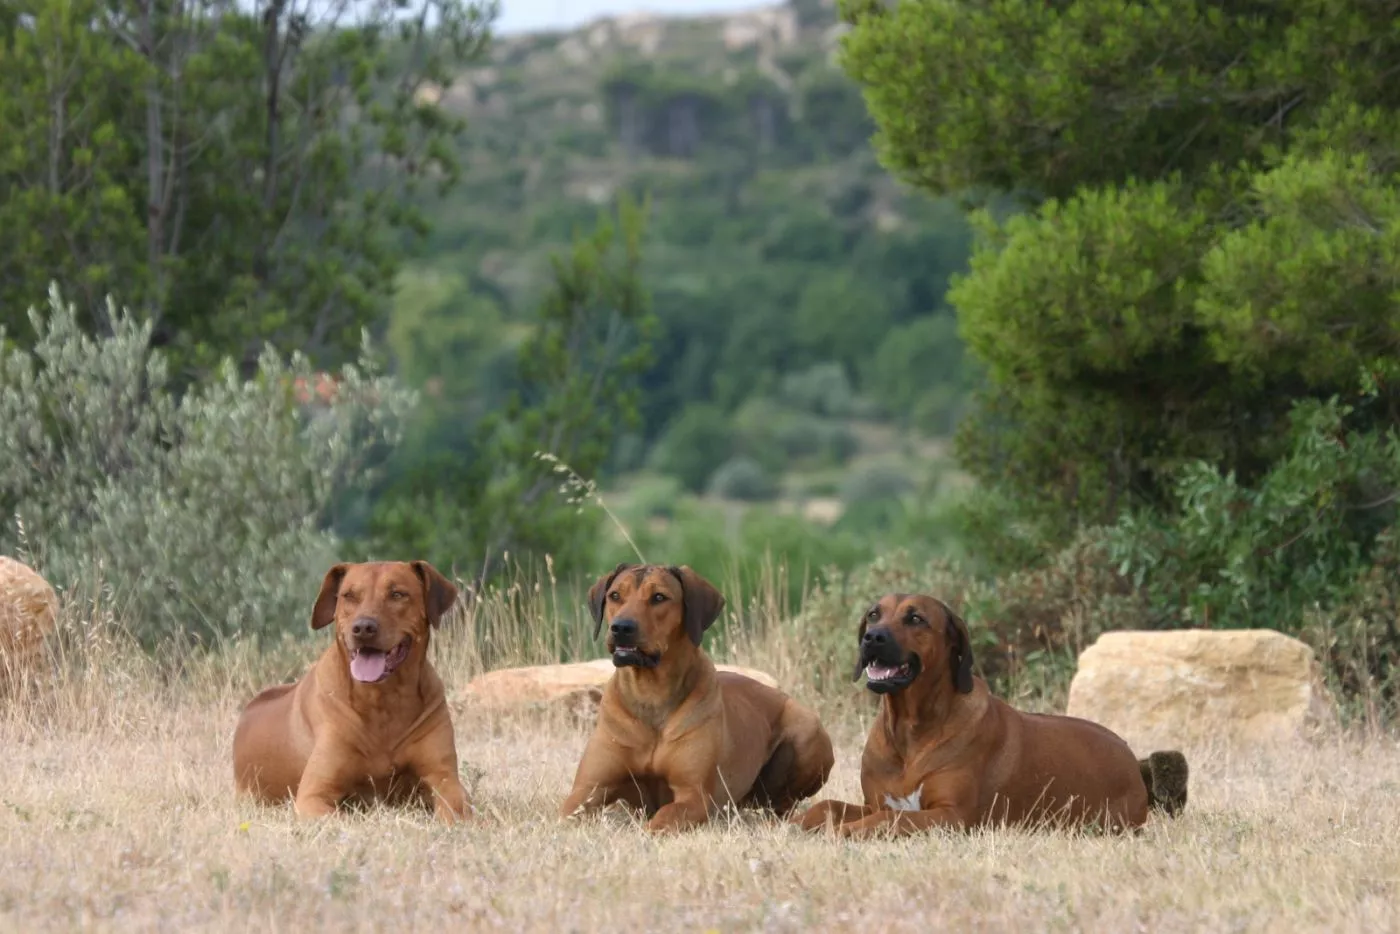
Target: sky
[531,15]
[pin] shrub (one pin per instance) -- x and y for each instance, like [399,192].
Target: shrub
[876,482]
[694,446]
[822,389]
[743,478]
[206,514]
[1309,549]
[777,435]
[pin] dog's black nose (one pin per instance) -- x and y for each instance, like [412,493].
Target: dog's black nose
[364,628]
[623,630]
[875,637]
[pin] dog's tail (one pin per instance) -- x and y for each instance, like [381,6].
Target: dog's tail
[1165,774]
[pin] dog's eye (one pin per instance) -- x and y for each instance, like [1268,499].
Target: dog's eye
[914,619]
[615,597]
[350,597]
[873,615]
[397,595]
[659,597]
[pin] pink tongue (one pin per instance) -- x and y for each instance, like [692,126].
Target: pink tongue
[368,666]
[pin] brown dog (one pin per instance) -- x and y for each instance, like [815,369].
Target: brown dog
[674,737]
[945,753]
[369,721]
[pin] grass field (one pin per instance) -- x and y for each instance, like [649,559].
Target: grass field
[117,813]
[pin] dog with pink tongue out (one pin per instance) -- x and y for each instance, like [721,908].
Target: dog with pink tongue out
[369,721]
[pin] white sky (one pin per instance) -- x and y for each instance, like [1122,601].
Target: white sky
[531,15]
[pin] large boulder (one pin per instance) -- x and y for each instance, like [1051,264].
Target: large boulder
[1166,689]
[575,688]
[28,614]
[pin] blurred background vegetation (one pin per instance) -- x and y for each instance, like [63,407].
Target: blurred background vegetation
[1085,315]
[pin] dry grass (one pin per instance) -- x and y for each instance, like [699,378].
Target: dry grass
[117,813]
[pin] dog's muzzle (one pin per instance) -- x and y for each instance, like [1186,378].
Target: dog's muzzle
[888,668]
[622,645]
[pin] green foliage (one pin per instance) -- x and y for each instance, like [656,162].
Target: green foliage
[1297,539]
[917,374]
[821,389]
[744,549]
[876,482]
[574,393]
[778,255]
[1216,242]
[204,513]
[779,437]
[694,446]
[240,174]
[1052,97]
[743,478]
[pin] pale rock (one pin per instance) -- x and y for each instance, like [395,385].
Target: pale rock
[1163,690]
[28,614]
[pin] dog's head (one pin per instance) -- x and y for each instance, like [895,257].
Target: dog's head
[649,608]
[382,612]
[904,637]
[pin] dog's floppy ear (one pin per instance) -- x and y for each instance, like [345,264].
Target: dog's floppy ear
[701,600]
[439,593]
[323,613]
[598,593]
[959,650]
[860,634]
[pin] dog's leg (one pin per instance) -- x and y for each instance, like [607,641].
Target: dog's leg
[451,803]
[829,813]
[325,780]
[689,809]
[901,823]
[597,782]
[434,761]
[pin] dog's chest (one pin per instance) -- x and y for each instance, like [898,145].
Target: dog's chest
[909,802]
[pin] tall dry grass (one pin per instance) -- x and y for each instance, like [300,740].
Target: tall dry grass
[117,814]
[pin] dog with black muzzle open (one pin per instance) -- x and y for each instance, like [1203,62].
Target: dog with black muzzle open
[944,752]
[676,738]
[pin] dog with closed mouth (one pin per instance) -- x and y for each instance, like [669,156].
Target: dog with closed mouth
[944,752]
[676,738]
[369,721]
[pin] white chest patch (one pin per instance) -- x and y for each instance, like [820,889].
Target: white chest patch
[909,802]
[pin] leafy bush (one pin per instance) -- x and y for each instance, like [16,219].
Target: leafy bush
[779,437]
[1311,545]
[916,374]
[876,482]
[822,389]
[743,478]
[694,446]
[654,496]
[205,514]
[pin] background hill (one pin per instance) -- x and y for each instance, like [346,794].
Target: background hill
[804,355]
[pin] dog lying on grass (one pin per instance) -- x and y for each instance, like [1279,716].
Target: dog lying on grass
[369,720]
[674,737]
[944,752]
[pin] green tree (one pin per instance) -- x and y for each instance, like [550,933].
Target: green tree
[239,174]
[697,443]
[575,394]
[1209,233]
